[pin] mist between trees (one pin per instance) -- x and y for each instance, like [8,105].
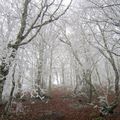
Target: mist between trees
[52,43]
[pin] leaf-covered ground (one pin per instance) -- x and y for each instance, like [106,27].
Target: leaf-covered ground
[60,107]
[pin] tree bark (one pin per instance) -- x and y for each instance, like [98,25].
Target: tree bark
[50,74]
[4,69]
[8,105]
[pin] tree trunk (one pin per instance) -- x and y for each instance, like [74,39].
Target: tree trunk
[4,69]
[116,80]
[63,76]
[39,81]
[91,90]
[50,74]
[8,105]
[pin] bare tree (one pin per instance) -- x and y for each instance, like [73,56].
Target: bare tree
[43,17]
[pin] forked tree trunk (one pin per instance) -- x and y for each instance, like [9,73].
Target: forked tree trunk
[8,61]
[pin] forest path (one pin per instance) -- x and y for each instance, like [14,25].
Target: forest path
[60,107]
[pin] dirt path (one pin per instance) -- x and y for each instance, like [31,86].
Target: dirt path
[58,104]
[59,107]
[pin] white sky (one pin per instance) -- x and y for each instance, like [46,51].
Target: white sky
[66,2]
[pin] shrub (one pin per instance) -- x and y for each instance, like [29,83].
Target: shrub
[104,107]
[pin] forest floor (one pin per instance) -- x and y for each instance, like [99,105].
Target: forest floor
[60,107]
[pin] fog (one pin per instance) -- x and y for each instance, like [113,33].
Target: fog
[70,44]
